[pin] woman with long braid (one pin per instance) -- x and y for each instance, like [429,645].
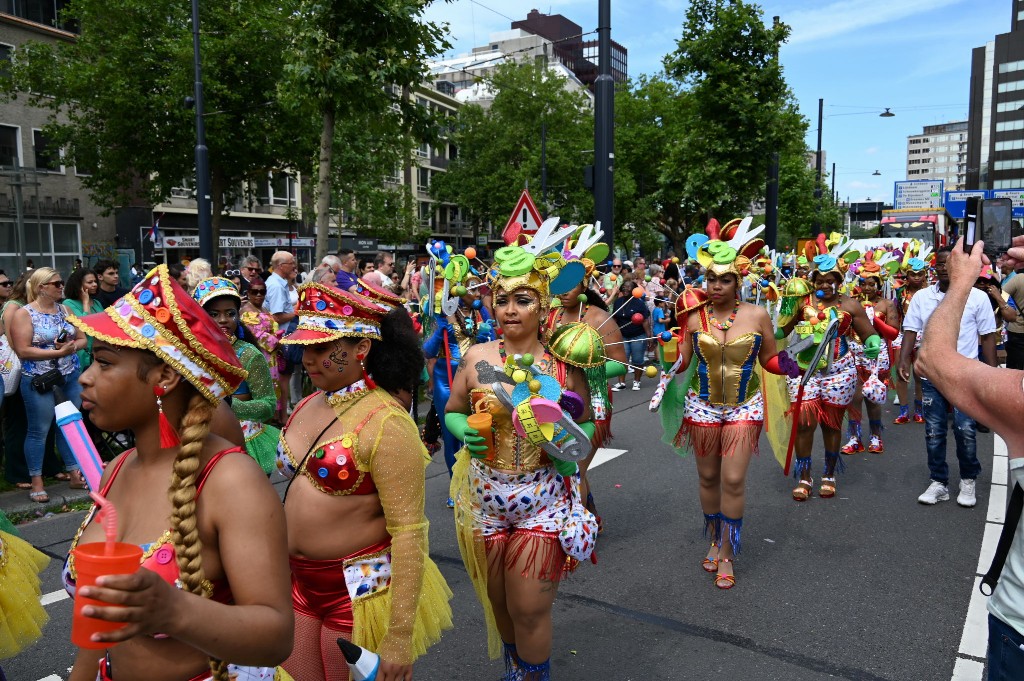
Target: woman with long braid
[213,584]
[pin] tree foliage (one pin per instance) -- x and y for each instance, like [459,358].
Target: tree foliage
[116,96]
[499,149]
[697,139]
[349,66]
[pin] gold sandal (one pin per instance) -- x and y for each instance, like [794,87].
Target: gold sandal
[828,488]
[802,491]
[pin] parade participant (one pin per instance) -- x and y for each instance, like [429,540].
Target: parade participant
[582,304]
[354,506]
[915,275]
[518,513]
[161,368]
[260,324]
[882,313]
[79,297]
[454,333]
[829,391]
[254,401]
[723,411]
[22,616]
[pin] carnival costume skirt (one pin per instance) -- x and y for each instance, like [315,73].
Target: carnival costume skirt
[261,444]
[21,615]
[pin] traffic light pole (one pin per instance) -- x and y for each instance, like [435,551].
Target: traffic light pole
[204,216]
[604,125]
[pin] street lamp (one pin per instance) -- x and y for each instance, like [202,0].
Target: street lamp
[203,214]
[886,113]
[876,173]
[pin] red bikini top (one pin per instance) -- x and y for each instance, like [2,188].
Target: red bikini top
[160,556]
[331,467]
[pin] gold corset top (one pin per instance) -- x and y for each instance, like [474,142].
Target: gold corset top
[511,452]
[725,374]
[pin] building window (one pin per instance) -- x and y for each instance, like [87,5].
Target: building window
[9,147]
[278,190]
[1015,105]
[49,244]
[45,12]
[423,180]
[47,157]
[1009,125]
[1009,145]
[1014,164]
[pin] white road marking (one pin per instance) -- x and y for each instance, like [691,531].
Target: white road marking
[969,665]
[604,455]
[51,677]
[54,597]
[967,670]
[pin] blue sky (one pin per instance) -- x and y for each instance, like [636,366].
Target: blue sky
[912,56]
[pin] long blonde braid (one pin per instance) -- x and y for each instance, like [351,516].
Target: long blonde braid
[184,528]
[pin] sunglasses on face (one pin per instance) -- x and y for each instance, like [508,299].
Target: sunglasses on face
[616,266]
[58,284]
[250,269]
[232,273]
[7,283]
[257,291]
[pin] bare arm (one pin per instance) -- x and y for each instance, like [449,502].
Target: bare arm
[20,335]
[458,400]
[768,346]
[994,396]
[906,351]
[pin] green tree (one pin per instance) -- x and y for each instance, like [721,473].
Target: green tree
[700,135]
[352,62]
[116,97]
[499,149]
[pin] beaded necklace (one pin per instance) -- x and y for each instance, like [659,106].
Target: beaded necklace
[728,323]
[350,392]
[544,362]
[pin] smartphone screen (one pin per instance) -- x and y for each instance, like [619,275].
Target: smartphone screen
[996,228]
[970,232]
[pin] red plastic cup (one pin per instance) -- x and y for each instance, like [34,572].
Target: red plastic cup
[91,563]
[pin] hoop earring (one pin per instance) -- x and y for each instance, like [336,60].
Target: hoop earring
[168,435]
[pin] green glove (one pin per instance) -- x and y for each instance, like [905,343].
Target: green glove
[564,468]
[613,369]
[872,346]
[458,426]
[588,427]
[780,333]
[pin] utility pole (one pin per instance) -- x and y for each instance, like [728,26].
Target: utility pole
[604,125]
[817,173]
[204,216]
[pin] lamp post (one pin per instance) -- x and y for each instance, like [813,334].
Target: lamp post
[604,122]
[204,217]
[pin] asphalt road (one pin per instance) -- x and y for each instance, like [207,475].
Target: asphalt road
[867,586]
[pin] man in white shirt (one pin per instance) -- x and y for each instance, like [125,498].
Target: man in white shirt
[384,266]
[977,325]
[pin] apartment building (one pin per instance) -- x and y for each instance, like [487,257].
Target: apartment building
[939,152]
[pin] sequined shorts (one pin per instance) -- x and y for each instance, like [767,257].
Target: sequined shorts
[834,388]
[703,413]
[504,502]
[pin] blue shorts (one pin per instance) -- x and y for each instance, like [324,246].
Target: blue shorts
[635,351]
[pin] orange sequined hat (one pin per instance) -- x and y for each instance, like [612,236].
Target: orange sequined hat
[159,316]
[327,314]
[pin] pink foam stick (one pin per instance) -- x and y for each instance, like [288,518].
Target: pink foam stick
[72,427]
[108,514]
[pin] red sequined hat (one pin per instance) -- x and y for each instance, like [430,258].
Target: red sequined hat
[381,296]
[326,314]
[159,316]
[690,299]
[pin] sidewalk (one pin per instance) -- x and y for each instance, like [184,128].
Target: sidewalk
[16,501]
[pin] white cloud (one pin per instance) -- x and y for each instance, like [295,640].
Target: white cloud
[871,150]
[847,16]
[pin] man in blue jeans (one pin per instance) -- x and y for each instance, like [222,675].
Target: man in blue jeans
[634,320]
[978,325]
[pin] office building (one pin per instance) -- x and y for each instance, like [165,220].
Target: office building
[939,152]
[996,118]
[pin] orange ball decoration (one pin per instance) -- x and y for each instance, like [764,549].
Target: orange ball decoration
[612,277]
[638,292]
[470,252]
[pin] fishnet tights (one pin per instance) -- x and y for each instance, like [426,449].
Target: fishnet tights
[316,655]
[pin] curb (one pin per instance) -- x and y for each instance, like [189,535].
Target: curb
[17,501]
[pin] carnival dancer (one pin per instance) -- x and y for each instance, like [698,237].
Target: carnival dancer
[260,325]
[254,401]
[724,408]
[828,392]
[22,616]
[518,512]
[872,374]
[215,583]
[915,277]
[354,506]
[460,320]
[583,304]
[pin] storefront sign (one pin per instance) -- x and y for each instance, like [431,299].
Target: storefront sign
[193,242]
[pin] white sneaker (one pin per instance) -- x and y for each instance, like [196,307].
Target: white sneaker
[618,386]
[935,493]
[967,498]
[636,385]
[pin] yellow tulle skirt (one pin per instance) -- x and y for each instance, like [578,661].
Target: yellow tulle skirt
[21,615]
[371,616]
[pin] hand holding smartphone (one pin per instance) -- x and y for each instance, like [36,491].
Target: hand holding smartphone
[991,221]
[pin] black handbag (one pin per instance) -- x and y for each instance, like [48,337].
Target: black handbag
[44,383]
